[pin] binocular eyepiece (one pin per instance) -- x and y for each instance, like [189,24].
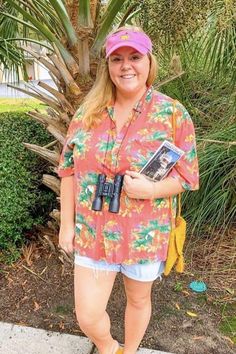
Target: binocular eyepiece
[108,189]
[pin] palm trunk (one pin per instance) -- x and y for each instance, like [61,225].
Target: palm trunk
[70,63]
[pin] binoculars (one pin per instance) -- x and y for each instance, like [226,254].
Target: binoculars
[108,189]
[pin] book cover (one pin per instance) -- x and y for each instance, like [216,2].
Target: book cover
[162,161]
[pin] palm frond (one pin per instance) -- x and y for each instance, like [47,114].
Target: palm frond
[11,59]
[62,14]
[109,15]
[38,27]
[213,46]
[85,19]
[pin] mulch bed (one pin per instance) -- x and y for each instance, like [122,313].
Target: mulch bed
[37,291]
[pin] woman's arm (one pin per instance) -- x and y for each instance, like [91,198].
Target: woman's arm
[67,201]
[167,187]
[67,198]
[138,186]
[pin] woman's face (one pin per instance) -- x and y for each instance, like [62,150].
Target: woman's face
[129,70]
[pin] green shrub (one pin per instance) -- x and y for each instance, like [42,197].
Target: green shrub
[207,101]
[24,201]
[210,103]
[213,208]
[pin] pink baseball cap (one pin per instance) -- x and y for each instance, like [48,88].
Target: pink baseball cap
[128,38]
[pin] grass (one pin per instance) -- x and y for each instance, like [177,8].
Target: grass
[19,104]
[212,208]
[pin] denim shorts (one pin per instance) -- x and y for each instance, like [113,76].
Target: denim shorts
[140,272]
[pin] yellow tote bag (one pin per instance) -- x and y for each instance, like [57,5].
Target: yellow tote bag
[176,243]
[178,231]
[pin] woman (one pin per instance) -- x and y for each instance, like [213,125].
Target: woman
[121,123]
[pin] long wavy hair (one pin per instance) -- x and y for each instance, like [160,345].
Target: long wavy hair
[103,91]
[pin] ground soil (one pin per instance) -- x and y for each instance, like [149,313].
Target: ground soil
[37,291]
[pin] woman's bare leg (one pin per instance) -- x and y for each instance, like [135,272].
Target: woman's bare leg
[92,291]
[137,313]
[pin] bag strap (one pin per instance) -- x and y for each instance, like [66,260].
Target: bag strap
[173,123]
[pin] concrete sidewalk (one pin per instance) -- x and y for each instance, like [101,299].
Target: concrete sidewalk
[16,339]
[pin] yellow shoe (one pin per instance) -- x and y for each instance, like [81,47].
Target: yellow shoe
[120,350]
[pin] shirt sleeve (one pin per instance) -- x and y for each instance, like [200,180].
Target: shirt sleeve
[186,170]
[66,161]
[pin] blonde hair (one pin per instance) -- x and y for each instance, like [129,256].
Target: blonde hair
[103,90]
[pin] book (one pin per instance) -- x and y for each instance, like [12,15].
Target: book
[162,161]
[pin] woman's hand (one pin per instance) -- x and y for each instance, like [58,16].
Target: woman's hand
[66,238]
[138,186]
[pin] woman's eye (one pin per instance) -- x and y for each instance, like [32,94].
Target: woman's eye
[136,57]
[115,59]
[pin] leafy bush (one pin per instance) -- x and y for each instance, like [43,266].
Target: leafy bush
[24,201]
[213,207]
[208,101]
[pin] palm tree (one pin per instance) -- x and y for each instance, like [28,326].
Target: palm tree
[201,33]
[71,34]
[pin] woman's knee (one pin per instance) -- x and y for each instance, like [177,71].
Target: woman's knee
[88,317]
[139,302]
[138,293]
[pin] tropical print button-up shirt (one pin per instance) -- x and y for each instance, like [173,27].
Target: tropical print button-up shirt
[139,233]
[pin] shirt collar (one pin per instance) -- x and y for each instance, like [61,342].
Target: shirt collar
[147,96]
[144,99]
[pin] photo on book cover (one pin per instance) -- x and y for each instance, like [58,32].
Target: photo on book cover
[163,160]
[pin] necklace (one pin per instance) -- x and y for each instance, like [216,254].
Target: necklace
[120,146]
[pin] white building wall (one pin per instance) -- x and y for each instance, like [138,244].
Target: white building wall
[35,72]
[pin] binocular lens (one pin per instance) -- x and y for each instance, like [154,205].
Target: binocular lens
[112,190]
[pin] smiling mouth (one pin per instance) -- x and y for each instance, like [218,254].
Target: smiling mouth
[128,76]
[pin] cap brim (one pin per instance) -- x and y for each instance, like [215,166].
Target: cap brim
[140,48]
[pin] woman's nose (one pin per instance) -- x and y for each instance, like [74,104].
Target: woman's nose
[125,64]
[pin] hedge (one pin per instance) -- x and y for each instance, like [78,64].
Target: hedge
[24,201]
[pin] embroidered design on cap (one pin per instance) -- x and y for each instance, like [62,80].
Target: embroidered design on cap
[124,37]
[137,40]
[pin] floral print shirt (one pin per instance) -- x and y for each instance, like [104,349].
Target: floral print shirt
[139,233]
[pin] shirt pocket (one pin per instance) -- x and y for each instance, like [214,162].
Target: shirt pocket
[140,151]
